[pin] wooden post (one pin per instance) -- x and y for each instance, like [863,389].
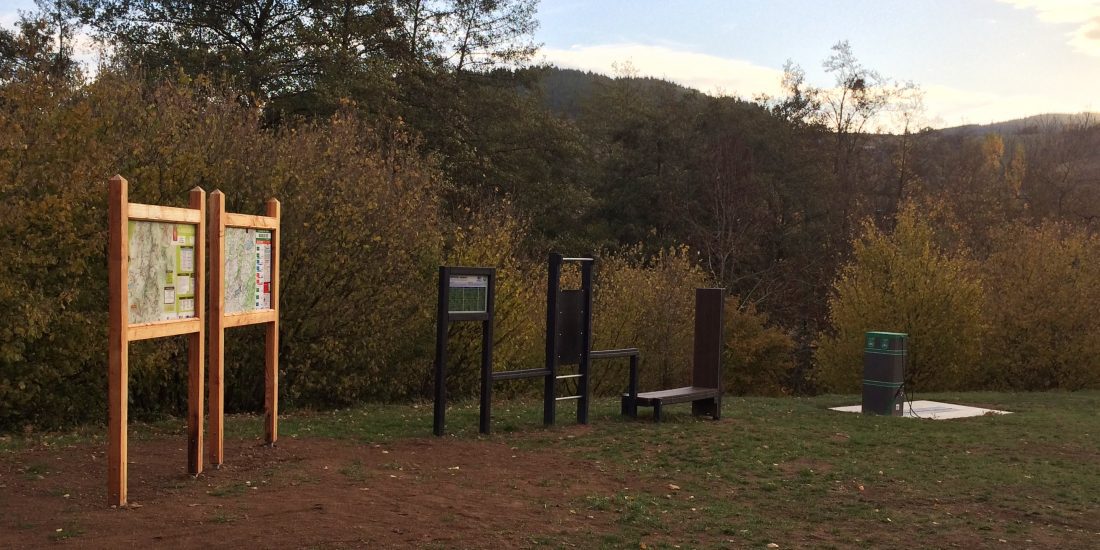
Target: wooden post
[271,352]
[217,327]
[196,342]
[117,344]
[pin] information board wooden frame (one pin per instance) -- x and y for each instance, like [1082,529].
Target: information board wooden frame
[121,332]
[220,320]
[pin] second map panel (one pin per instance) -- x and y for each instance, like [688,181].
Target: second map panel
[247,269]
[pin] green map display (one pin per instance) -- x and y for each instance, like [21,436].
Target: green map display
[161,275]
[468,294]
[247,269]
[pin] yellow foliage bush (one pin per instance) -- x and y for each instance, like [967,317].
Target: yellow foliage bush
[1043,289]
[901,281]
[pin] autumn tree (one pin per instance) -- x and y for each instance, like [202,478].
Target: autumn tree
[1043,289]
[902,281]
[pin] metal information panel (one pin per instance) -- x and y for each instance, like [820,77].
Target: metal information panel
[161,271]
[465,294]
[247,269]
[468,294]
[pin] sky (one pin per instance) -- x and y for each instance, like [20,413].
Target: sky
[977,61]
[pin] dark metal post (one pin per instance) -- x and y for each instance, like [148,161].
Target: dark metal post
[487,359]
[586,342]
[553,285]
[442,323]
[630,405]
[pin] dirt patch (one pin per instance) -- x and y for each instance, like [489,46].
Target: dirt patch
[304,492]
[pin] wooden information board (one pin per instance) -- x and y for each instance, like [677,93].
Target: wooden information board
[155,276]
[244,273]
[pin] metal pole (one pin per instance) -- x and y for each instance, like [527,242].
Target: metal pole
[586,342]
[553,284]
[440,411]
[487,357]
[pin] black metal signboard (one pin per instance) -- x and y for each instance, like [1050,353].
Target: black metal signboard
[465,294]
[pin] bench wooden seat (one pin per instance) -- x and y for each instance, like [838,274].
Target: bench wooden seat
[705,393]
[677,395]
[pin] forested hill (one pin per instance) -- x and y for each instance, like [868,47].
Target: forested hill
[399,136]
[565,91]
[1035,124]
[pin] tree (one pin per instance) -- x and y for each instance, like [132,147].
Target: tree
[41,45]
[1043,286]
[902,281]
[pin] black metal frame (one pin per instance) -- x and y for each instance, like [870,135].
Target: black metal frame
[554,335]
[578,303]
[443,320]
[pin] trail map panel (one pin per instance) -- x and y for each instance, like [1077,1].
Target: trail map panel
[161,275]
[468,293]
[247,269]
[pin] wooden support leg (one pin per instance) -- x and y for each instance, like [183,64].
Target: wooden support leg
[656,411]
[194,404]
[708,407]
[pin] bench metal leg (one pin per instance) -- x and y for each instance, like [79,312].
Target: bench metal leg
[656,411]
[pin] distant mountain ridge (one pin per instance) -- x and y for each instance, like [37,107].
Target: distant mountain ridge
[1034,124]
[565,91]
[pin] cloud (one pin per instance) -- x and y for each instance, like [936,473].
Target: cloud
[944,105]
[1083,15]
[949,106]
[708,73]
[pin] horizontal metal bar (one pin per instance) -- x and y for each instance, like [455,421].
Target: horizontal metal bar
[577,259]
[567,398]
[564,376]
[519,374]
[613,353]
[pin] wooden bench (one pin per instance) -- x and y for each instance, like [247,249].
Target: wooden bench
[705,391]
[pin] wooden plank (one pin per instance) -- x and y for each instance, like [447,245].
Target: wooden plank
[216,227]
[250,221]
[154,213]
[196,356]
[249,317]
[677,395]
[161,329]
[706,367]
[117,345]
[271,349]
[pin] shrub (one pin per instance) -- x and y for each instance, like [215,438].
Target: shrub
[1043,289]
[902,281]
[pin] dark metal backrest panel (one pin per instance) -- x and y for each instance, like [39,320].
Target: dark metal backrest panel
[570,324]
[707,364]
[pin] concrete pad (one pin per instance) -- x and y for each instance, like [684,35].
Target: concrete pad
[933,410]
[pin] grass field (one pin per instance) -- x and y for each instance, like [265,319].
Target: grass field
[782,471]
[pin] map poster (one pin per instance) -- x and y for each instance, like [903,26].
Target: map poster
[468,294]
[247,269]
[161,275]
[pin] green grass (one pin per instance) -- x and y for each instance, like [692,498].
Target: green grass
[786,470]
